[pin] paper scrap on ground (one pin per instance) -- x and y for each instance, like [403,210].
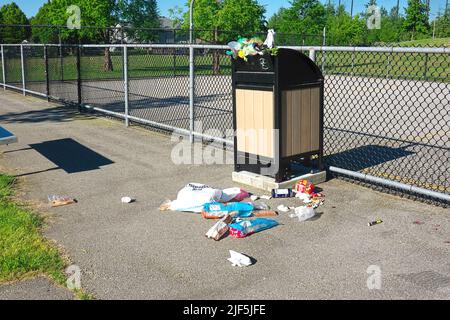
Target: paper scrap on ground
[127,200]
[239,260]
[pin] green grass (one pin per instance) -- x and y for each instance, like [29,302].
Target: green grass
[24,252]
[439,42]
[140,66]
[409,66]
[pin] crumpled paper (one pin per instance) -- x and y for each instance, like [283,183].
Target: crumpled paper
[239,260]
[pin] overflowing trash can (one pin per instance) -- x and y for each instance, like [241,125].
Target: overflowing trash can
[277,113]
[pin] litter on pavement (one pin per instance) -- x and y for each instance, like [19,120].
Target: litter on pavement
[245,228]
[373,223]
[283,208]
[265,213]
[220,228]
[58,201]
[217,210]
[282,193]
[239,217]
[127,200]
[303,213]
[239,260]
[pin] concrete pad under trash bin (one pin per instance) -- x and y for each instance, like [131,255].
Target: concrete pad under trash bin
[267,183]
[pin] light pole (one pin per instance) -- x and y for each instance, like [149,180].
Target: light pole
[191,21]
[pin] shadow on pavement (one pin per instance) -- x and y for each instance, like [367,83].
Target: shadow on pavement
[54,114]
[365,157]
[71,156]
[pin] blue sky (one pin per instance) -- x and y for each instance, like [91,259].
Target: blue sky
[30,7]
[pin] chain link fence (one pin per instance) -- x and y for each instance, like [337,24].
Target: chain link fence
[387,114]
[387,110]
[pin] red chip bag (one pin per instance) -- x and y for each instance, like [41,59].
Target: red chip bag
[304,186]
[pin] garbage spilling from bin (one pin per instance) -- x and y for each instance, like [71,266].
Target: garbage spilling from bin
[244,48]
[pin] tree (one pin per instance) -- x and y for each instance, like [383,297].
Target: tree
[416,21]
[176,15]
[140,14]
[242,17]
[442,24]
[11,14]
[302,17]
[100,13]
[204,18]
[342,29]
[246,17]
[391,30]
[239,17]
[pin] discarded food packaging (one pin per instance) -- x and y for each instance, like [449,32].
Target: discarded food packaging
[220,228]
[245,228]
[58,201]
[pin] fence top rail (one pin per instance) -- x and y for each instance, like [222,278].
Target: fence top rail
[440,50]
[371,49]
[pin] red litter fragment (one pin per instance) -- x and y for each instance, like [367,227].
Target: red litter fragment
[447,242]
[418,222]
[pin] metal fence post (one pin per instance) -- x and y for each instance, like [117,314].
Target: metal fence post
[191,93]
[47,77]
[79,77]
[324,43]
[125,84]
[22,60]
[3,68]
[191,72]
[174,54]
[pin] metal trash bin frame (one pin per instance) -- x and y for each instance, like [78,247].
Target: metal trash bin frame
[282,78]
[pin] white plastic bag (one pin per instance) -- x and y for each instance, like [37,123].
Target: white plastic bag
[193,196]
[303,213]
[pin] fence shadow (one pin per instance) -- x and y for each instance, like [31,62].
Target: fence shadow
[365,157]
[54,114]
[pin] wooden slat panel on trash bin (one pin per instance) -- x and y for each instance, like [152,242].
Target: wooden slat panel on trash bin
[300,120]
[296,120]
[268,127]
[240,117]
[305,126]
[249,123]
[254,117]
[286,122]
[258,121]
[315,118]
